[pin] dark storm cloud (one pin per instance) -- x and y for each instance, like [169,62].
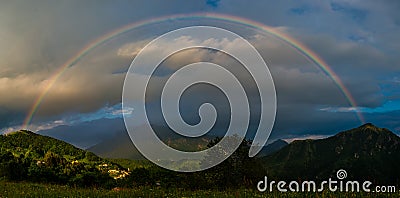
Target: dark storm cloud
[356,38]
[36,38]
[9,118]
[86,134]
[213,3]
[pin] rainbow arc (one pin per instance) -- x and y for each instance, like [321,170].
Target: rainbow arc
[287,39]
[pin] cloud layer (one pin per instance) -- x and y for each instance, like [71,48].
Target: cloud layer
[356,38]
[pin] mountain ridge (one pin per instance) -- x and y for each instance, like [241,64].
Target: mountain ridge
[363,151]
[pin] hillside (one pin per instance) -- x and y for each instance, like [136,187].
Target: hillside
[119,146]
[366,152]
[31,144]
[272,148]
[27,156]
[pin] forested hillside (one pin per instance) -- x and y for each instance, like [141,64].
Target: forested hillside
[27,156]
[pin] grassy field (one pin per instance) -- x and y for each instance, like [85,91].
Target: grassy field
[22,189]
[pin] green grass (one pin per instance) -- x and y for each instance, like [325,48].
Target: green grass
[133,164]
[23,189]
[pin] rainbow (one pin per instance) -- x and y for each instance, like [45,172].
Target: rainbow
[297,45]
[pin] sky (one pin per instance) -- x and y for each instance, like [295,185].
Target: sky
[357,39]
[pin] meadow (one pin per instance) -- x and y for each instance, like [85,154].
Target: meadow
[25,189]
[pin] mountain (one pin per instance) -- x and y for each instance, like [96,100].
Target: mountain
[272,148]
[28,156]
[121,146]
[366,152]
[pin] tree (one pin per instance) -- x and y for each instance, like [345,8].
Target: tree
[13,168]
[53,160]
[237,170]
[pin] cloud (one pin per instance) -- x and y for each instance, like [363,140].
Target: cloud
[74,119]
[86,134]
[32,50]
[356,38]
[97,79]
[130,50]
[343,55]
[302,89]
[389,106]
[213,3]
[340,109]
[306,137]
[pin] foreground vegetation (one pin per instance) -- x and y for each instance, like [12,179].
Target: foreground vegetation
[26,156]
[37,166]
[23,189]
